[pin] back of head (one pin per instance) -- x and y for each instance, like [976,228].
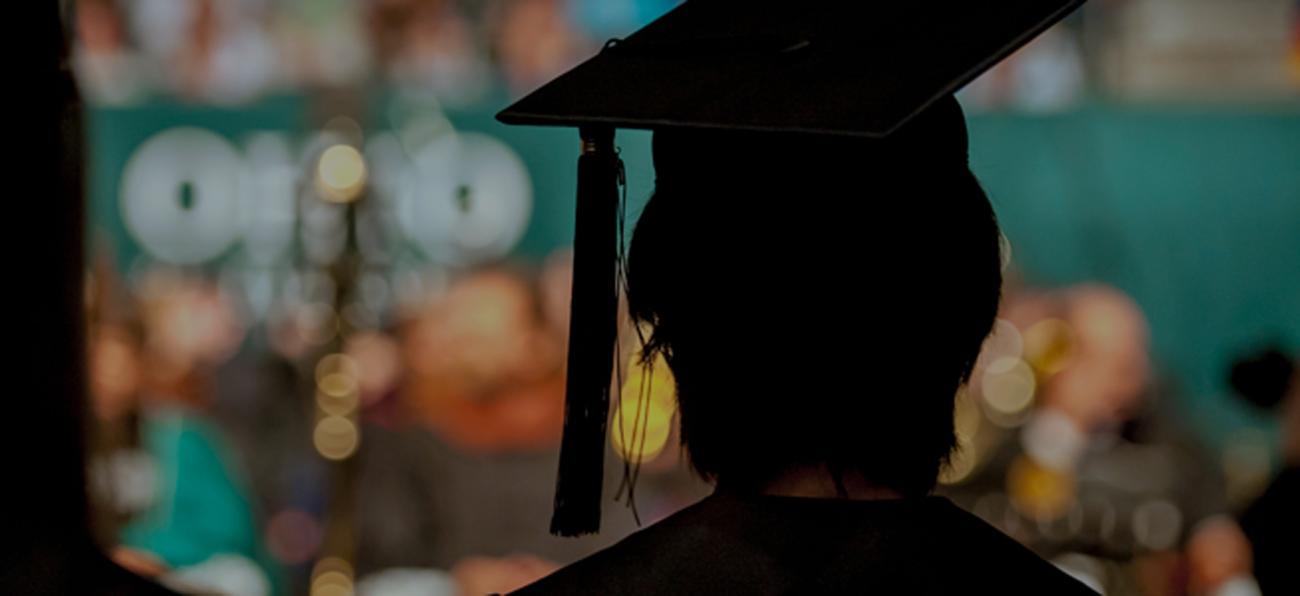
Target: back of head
[819,298]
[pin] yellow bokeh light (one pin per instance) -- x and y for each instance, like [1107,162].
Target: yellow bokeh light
[336,438]
[1049,344]
[959,467]
[338,384]
[1010,390]
[341,173]
[1038,491]
[337,363]
[966,416]
[338,404]
[966,424]
[328,564]
[656,379]
[644,438]
[332,583]
[331,576]
[331,590]
[643,419]
[1003,343]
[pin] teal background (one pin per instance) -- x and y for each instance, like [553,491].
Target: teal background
[1194,211]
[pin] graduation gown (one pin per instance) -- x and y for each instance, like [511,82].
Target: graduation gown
[748,544]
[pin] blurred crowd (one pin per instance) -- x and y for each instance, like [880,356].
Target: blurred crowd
[235,50]
[1071,442]
[462,51]
[210,471]
[393,430]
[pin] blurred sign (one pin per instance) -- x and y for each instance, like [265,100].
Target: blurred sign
[193,185]
[188,196]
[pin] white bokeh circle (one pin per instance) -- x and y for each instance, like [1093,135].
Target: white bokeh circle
[154,181]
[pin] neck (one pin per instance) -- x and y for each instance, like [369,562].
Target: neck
[817,482]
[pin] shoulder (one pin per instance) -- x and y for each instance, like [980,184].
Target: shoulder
[722,547]
[977,553]
[661,558]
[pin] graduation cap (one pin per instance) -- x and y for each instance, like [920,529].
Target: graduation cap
[710,68]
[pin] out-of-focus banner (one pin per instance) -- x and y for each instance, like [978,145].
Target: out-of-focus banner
[1166,203]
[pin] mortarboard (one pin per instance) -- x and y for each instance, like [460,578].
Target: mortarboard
[861,69]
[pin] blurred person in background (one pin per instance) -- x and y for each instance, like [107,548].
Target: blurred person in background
[1072,445]
[210,50]
[169,502]
[1219,560]
[534,40]
[486,368]
[228,56]
[1268,380]
[460,440]
[429,46]
[107,66]
[260,405]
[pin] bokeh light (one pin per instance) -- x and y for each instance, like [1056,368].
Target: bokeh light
[1049,345]
[332,576]
[1040,492]
[1003,345]
[966,457]
[1054,440]
[336,438]
[1157,524]
[337,404]
[1007,386]
[338,383]
[644,417]
[293,536]
[341,173]
[179,195]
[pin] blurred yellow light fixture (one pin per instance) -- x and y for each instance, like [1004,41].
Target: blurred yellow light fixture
[643,419]
[966,457]
[1040,492]
[332,583]
[1009,390]
[1048,346]
[336,438]
[331,576]
[338,405]
[341,173]
[338,375]
[337,363]
[1002,344]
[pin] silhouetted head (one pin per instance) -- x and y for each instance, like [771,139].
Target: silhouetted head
[820,299]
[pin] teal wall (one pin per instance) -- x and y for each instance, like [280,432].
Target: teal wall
[1194,211]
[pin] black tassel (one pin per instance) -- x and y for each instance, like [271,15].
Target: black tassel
[593,327]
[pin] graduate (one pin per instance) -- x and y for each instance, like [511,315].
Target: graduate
[818,267]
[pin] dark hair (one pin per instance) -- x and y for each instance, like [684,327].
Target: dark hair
[819,300]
